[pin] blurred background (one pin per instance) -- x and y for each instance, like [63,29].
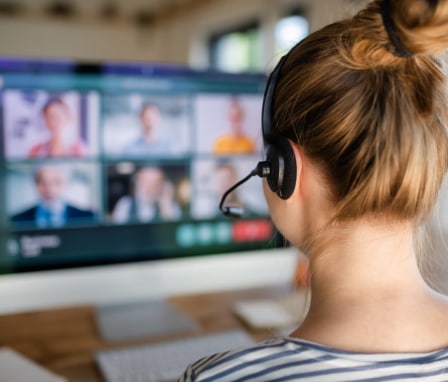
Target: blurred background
[232,35]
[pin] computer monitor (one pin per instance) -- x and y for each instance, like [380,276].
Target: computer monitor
[124,163]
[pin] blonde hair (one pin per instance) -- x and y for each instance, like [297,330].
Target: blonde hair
[374,122]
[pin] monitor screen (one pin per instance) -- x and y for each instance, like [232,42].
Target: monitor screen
[114,163]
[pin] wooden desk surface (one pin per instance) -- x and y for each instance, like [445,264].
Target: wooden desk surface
[64,340]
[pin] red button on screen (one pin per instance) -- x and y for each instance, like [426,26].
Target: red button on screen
[252,230]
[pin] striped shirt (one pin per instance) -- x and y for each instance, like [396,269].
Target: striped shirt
[288,359]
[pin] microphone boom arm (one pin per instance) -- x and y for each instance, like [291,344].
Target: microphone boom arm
[263,169]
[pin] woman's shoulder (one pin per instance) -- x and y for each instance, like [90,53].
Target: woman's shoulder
[78,148]
[225,366]
[292,357]
[38,149]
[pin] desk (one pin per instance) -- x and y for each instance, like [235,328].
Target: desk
[64,340]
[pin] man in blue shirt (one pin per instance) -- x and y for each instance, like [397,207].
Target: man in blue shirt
[51,210]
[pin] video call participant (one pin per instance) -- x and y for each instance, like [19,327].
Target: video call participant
[51,209]
[153,199]
[57,118]
[148,144]
[235,141]
[183,195]
[361,104]
[225,176]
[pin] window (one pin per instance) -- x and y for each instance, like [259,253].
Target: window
[289,31]
[237,50]
[241,49]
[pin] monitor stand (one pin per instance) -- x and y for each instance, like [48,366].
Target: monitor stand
[131,320]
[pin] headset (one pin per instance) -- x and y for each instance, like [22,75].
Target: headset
[279,167]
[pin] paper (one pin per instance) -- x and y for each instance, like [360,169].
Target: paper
[14,367]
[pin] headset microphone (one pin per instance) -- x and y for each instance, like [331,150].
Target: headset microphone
[262,170]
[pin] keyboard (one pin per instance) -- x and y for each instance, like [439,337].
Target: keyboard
[165,361]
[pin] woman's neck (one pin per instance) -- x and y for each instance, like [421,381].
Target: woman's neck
[364,258]
[365,283]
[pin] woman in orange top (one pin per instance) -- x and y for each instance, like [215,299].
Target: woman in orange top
[235,142]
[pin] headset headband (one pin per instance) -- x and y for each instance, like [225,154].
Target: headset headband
[267,129]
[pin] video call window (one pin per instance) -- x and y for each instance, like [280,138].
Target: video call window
[228,125]
[39,124]
[101,165]
[145,126]
[212,177]
[52,195]
[144,193]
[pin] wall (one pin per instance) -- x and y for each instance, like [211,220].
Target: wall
[178,39]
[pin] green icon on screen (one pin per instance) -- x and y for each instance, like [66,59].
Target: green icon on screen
[223,233]
[186,235]
[205,234]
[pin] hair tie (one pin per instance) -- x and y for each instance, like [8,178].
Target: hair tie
[399,49]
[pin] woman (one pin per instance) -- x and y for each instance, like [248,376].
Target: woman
[363,104]
[57,118]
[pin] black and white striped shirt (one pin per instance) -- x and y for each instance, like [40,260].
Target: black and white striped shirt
[289,359]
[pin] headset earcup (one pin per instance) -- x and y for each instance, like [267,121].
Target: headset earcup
[290,169]
[273,159]
[282,178]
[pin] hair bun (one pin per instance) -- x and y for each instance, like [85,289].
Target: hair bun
[396,48]
[421,26]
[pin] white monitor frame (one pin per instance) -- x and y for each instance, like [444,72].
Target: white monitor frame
[142,280]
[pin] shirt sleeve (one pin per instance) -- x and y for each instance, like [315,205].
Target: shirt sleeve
[188,375]
[194,372]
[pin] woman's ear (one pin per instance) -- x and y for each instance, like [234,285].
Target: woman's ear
[298,156]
